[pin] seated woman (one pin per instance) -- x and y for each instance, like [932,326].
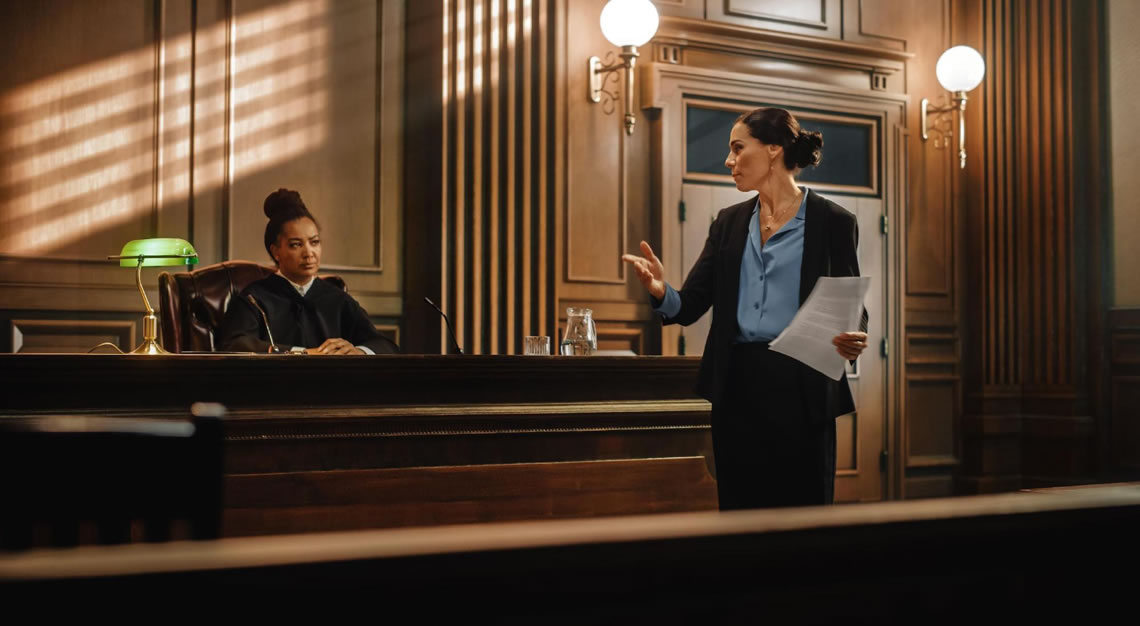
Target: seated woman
[303,312]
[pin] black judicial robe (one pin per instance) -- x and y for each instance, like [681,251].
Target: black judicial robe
[325,311]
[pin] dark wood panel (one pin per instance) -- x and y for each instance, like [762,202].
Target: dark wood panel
[1126,422]
[1018,557]
[886,23]
[350,500]
[110,381]
[1124,391]
[383,441]
[70,335]
[1034,355]
[932,411]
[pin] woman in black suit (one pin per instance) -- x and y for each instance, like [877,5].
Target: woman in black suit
[773,423]
[305,314]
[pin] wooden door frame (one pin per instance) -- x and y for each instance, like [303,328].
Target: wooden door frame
[664,89]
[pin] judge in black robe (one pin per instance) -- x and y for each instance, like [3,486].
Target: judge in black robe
[293,310]
[325,311]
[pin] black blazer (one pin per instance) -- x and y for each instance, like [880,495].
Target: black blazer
[831,235]
[325,311]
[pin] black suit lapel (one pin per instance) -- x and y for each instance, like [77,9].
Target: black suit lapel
[814,263]
[736,239]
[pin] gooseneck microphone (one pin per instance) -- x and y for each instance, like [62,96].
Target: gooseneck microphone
[264,320]
[446,321]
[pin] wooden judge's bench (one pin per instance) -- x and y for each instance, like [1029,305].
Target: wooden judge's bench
[339,443]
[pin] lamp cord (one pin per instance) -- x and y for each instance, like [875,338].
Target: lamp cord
[106,343]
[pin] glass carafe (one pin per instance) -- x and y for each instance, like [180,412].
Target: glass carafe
[581,337]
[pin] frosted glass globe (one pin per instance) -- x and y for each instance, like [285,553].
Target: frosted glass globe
[629,22]
[960,68]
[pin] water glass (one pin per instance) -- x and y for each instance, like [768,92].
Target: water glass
[536,345]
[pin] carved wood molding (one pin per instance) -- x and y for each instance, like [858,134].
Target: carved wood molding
[694,33]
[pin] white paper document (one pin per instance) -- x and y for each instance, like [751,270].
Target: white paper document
[834,306]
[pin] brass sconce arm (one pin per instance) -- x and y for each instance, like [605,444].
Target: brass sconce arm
[596,73]
[959,105]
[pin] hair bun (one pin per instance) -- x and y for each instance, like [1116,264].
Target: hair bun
[283,201]
[808,148]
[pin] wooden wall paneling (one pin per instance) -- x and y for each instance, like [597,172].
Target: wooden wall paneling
[79,128]
[266,504]
[885,23]
[500,175]
[931,217]
[428,87]
[818,18]
[77,150]
[681,8]
[209,129]
[175,104]
[597,191]
[1124,393]
[63,334]
[607,190]
[1038,325]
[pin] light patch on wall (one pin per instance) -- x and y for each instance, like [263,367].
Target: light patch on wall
[78,148]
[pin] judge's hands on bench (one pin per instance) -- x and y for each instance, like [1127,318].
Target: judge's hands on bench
[651,273]
[335,345]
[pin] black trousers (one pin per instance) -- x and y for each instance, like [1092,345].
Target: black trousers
[767,452]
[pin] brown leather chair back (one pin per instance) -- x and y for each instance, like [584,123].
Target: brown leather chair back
[193,304]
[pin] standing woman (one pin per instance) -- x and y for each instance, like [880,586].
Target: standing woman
[773,425]
[305,314]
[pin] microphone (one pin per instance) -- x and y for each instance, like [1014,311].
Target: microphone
[446,321]
[264,320]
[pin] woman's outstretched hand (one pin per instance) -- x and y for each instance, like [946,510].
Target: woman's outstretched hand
[649,270]
[850,345]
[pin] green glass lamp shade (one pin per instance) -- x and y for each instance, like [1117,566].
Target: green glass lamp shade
[161,251]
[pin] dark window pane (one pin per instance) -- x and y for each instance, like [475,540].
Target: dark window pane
[846,147]
[846,154]
[706,133]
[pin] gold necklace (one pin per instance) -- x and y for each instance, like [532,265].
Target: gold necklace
[772,218]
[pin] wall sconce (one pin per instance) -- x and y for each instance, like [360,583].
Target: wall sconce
[959,70]
[628,24]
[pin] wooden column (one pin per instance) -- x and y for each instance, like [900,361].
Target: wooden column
[1034,220]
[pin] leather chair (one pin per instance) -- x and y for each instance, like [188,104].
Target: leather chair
[193,304]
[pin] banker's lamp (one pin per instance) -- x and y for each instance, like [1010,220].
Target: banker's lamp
[158,252]
[959,70]
[627,24]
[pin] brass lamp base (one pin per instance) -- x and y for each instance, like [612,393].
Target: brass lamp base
[149,345]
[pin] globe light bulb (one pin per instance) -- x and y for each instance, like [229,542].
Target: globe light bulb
[960,68]
[629,22]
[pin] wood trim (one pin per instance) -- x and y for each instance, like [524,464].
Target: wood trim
[125,329]
[718,35]
[933,460]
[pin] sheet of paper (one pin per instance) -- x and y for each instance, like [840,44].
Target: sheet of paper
[834,306]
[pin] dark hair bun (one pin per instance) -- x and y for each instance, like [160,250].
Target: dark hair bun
[807,149]
[281,207]
[284,202]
